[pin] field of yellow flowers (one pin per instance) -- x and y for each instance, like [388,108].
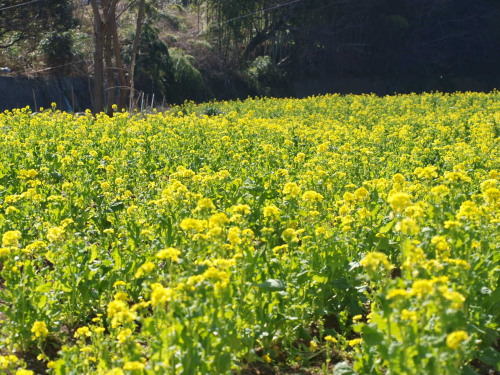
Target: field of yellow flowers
[329,235]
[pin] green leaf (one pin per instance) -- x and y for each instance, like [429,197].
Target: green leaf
[371,335]
[60,286]
[387,227]
[343,368]
[117,258]
[44,288]
[490,357]
[272,285]
[42,302]
[116,206]
[320,279]
[93,253]
[467,370]
[494,301]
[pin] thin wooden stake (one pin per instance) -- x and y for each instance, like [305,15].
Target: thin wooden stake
[34,100]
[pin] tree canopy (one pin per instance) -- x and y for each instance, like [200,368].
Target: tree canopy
[254,45]
[361,37]
[22,20]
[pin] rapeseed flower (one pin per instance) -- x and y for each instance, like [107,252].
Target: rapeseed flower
[422,288]
[456,298]
[272,212]
[24,372]
[291,235]
[124,335]
[133,365]
[354,342]
[55,234]
[169,253]
[144,269]
[394,293]
[399,201]
[205,204]
[83,332]
[408,226]
[331,339]
[409,315]
[398,178]
[193,224]
[313,345]
[241,209]
[291,189]
[489,184]
[492,195]
[115,371]
[234,236]
[428,172]
[254,199]
[120,313]
[373,260]
[361,194]
[161,295]
[11,238]
[121,296]
[299,158]
[357,318]
[457,177]
[39,330]
[468,211]
[218,220]
[455,339]
[312,197]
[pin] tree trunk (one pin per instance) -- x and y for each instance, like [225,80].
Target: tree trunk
[110,76]
[120,68]
[135,48]
[98,59]
[107,47]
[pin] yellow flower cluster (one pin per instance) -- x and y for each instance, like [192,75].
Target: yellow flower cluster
[11,238]
[39,330]
[455,339]
[120,313]
[374,260]
[180,242]
[169,253]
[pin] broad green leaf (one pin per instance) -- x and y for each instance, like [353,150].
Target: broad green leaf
[272,285]
[343,368]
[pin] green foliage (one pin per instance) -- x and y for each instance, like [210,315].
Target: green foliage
[211,109]
[187,81]
[265,77]
[32,20]
[58,49]
[167,73]
[200,44]
[171,20]
[154,64]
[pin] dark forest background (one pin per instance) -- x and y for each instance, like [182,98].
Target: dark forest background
[224,49]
